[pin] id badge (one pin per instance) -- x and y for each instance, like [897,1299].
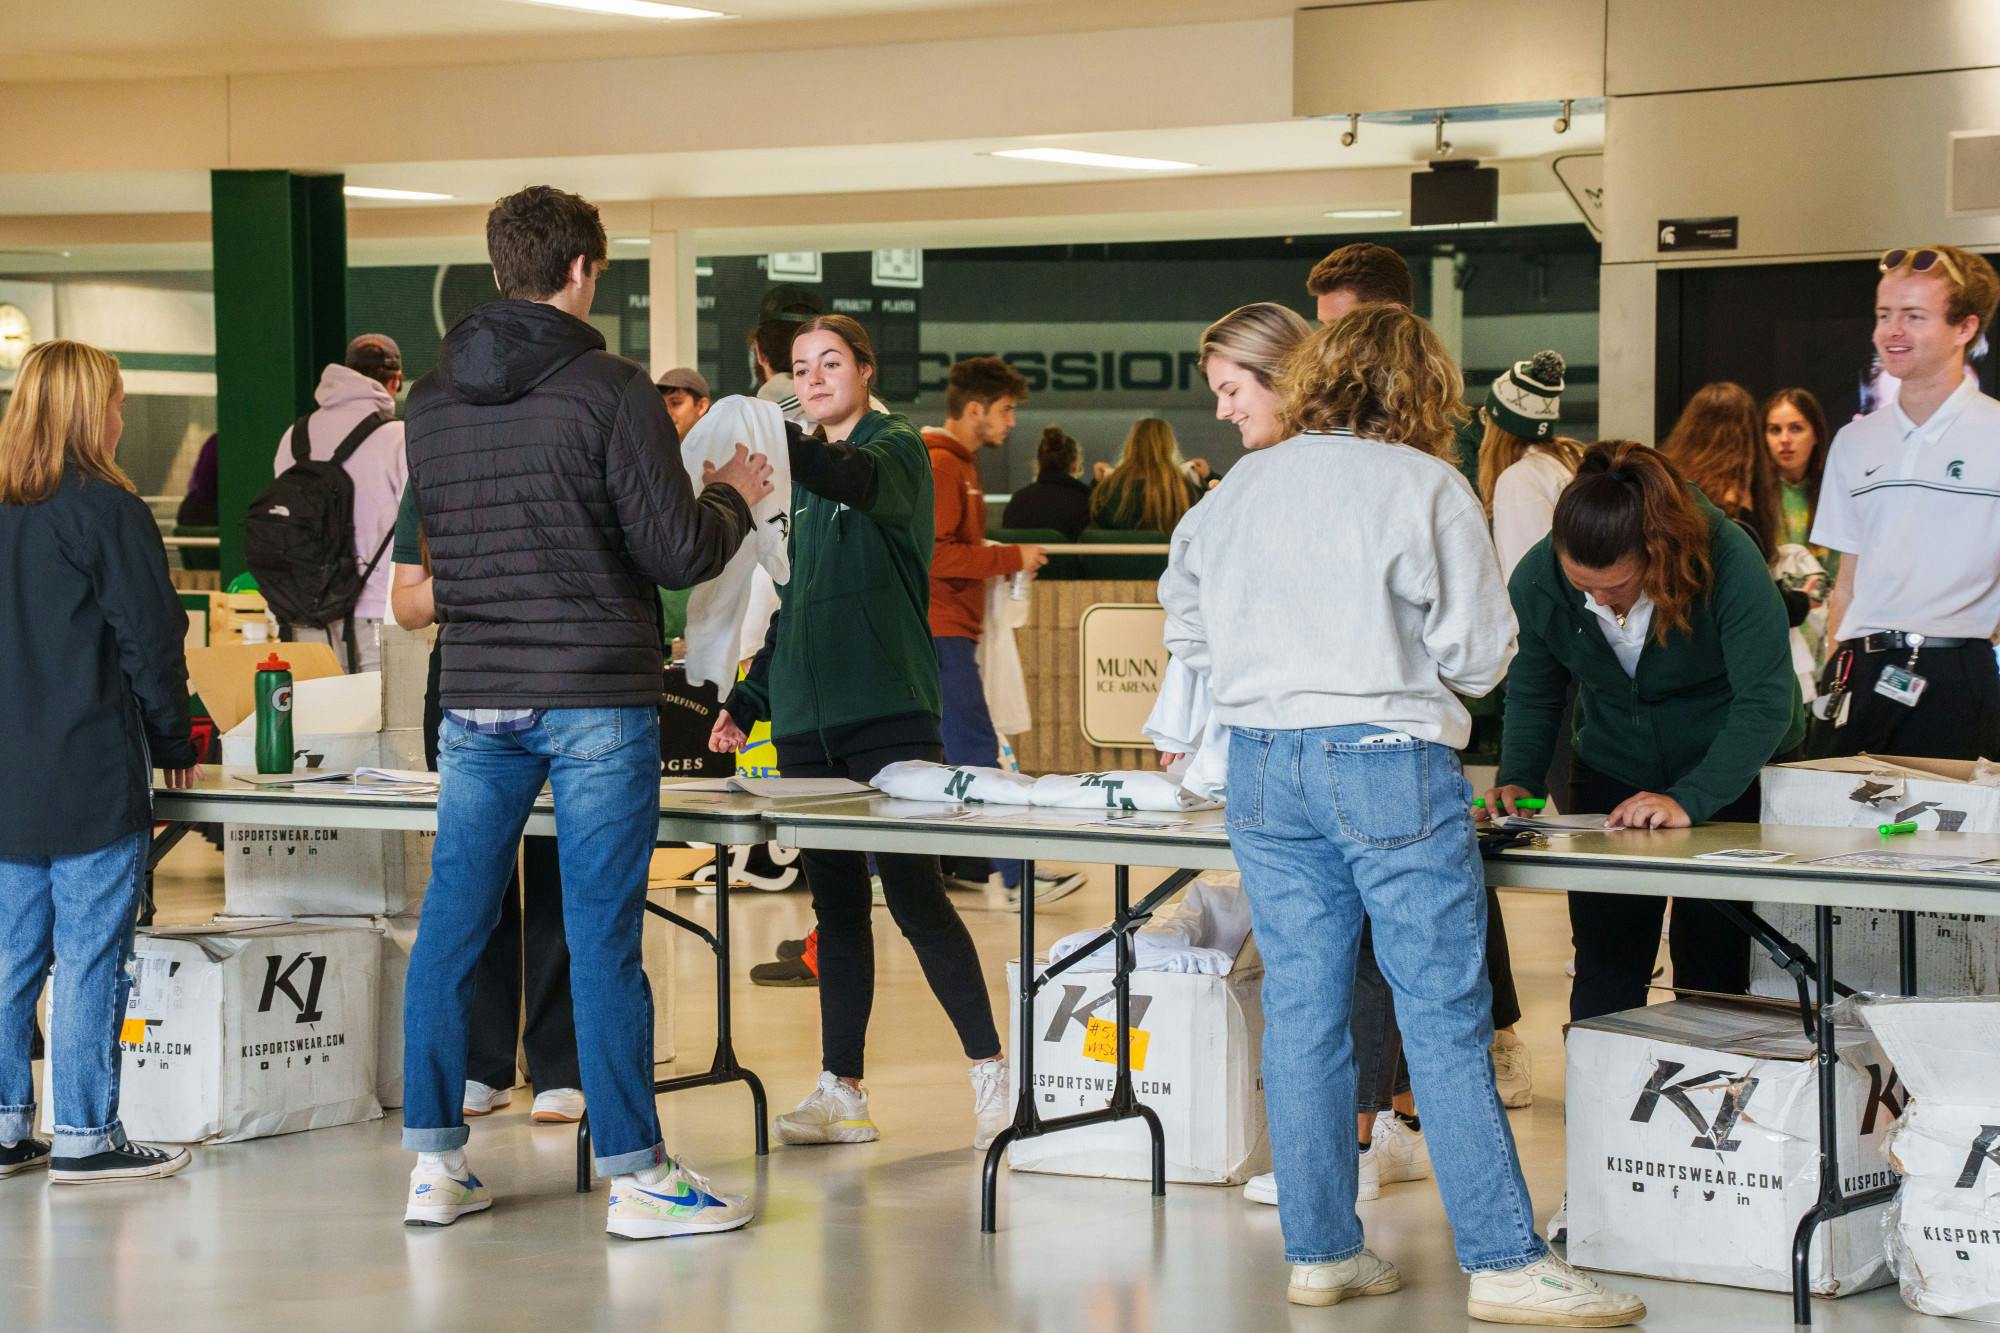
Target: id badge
[1902,685]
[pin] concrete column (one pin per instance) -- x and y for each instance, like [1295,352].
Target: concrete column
[1448,306]
[671,298]
[1627,334]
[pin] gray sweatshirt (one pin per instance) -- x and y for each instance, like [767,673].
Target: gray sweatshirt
[1332,580]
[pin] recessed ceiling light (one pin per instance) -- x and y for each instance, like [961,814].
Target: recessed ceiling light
[1366,213]
[631,240]
[1116,161]
[632,9]
[376,192]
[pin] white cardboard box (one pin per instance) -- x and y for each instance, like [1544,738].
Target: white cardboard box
[237,1033]
[1943,1231]
[1693,1130]
[1957,954]
[1203,1040]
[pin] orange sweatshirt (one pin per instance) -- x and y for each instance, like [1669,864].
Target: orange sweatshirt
[961,562]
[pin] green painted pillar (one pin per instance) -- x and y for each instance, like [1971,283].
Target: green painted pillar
[280,242]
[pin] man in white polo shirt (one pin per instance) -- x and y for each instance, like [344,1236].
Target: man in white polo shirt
[1911,498]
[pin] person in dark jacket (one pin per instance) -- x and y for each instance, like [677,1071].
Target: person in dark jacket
[551,495]
[1057,499]
[1661,611]
[93,667]
[848,678]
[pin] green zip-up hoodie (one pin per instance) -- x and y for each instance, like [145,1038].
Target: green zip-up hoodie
[1703,713]
[852,640]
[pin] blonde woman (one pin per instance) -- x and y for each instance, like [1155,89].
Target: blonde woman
[92,660]
[1340,592]
[1523,463]
[1150,489]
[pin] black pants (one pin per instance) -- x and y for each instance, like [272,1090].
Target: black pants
[844,903]
[525,962]
[1958,716]
[1617,935]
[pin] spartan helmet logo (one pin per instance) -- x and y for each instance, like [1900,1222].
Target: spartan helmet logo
[1955,469]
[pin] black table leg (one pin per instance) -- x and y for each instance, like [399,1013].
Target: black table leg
[165,838]
[1026,1122]
[1906,951]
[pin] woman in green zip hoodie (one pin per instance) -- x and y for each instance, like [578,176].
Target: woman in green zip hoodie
[1661,611]
[848,678]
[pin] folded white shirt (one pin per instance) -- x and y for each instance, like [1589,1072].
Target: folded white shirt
[1120,789]
[1201,933]
[918,780]
[717,610]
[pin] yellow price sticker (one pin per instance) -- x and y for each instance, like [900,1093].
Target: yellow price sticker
[133,1031]
[1100,1042]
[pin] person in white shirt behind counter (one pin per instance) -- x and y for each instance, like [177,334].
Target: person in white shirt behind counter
[1337,589]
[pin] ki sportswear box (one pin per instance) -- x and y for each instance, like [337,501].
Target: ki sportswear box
[1957,953]
[1943,1231]
[237,1033]
[1197,1044]
[1693,1134]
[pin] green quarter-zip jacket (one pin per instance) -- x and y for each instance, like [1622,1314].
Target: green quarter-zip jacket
[1702,713]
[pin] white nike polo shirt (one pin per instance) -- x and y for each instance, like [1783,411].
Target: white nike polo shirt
[1920,506]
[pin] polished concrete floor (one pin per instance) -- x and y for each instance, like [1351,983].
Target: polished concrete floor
[304,1232]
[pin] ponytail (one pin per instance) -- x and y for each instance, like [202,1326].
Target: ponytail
[1057,452]
[1628,500]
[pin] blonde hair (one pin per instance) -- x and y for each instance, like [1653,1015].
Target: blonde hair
[1501,448]
[62,395]
[1150,465]
[1380,372]
[1257,337]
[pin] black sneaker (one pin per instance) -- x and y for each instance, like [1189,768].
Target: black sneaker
[134,1161]
[23,1156]
[790,949]
[784,972]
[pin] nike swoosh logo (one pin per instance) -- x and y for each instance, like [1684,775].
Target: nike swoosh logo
[1873,470]
[693,1198]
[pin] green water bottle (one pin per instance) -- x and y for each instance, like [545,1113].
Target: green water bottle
[274,715]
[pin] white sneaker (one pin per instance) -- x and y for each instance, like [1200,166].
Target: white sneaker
[1262,1189]
[1511,1071]
[1549,1292]
[1400,1151]
[832,1113]
[991,1111]
[442,1190]
[557,1106]
[1558,1228]
[1368,1183]
[1050,887]
[671,1200]
[1366,1274]
[482,1100]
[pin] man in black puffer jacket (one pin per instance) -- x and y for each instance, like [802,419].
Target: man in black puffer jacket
[549,483]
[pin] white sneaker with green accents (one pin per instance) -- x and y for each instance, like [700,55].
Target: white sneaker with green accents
[442,1190]
[833,1112]
[1550,1294]
[1366,1274]
[671,1199]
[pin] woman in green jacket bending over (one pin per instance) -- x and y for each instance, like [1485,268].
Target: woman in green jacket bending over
[1662,612]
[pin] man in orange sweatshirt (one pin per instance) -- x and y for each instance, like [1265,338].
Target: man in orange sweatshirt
[979,401]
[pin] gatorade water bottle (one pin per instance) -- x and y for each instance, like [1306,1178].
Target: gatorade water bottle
[274,715]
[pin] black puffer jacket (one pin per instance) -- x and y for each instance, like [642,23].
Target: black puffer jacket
[551,491]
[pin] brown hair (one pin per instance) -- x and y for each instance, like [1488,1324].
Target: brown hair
[1380,372]
[1057,452]
[1374,273]
[1628,500]
[1501,448]
[1718,444]
[535,235]
[1807,406]
[56,418]
[981,379]
[1978,294]
[1151,467]
[1257,337]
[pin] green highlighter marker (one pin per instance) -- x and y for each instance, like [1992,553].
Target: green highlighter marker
[1891,830]
[1525,803]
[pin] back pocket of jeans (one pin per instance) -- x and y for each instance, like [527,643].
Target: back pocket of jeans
[1381,792]
[584,733]
[1243,797]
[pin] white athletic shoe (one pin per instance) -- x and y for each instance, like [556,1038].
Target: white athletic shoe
[1550,1293]
[1558,1228]
[991,1111]
[1366,1274]
[482,1100]
[1511,1071]
[1262,1189]
[1400,1151]
[671,1200]
[443,1190]
[557,1106]
[832,1113]
[1368,1183]
[1051,886]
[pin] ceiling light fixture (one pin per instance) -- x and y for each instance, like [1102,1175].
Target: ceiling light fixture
[1358,213]
[377,192]
[632,9]
[631,240]
[1071,157]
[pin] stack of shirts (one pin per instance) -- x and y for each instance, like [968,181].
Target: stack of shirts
[1125,789]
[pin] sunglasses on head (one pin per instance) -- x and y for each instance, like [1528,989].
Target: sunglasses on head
[1919,261]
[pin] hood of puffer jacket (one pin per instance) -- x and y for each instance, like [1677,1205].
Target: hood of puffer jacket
[502,350]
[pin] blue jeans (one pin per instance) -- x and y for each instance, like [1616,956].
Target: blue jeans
[1327,828]
[78,912]
[604,766]
[969,738]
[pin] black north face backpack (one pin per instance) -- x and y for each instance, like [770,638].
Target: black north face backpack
[298,539]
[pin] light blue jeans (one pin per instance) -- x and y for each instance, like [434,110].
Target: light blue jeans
[604,767]
[1328,827]
[77,912]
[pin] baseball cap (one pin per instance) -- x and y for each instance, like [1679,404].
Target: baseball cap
[689,381]
[374,354]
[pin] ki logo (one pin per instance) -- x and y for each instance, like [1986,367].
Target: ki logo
[1985,1148]
[1884,1094]
[276,981]
[1712,1135]
[1074,1010]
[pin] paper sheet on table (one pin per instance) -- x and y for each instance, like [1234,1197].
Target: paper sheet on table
[420,777]
[1896,861]
[774,788]
[298,779]
[1551,823]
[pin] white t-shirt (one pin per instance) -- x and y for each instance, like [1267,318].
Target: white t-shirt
[1524,505]
[1629,639]
[1919,506]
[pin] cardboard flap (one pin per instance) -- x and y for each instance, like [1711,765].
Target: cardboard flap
[1749,1026]
[225,676]
[1890,767]
[329,706]
[1947,1051]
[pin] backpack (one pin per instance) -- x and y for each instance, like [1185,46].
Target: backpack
[298,538]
